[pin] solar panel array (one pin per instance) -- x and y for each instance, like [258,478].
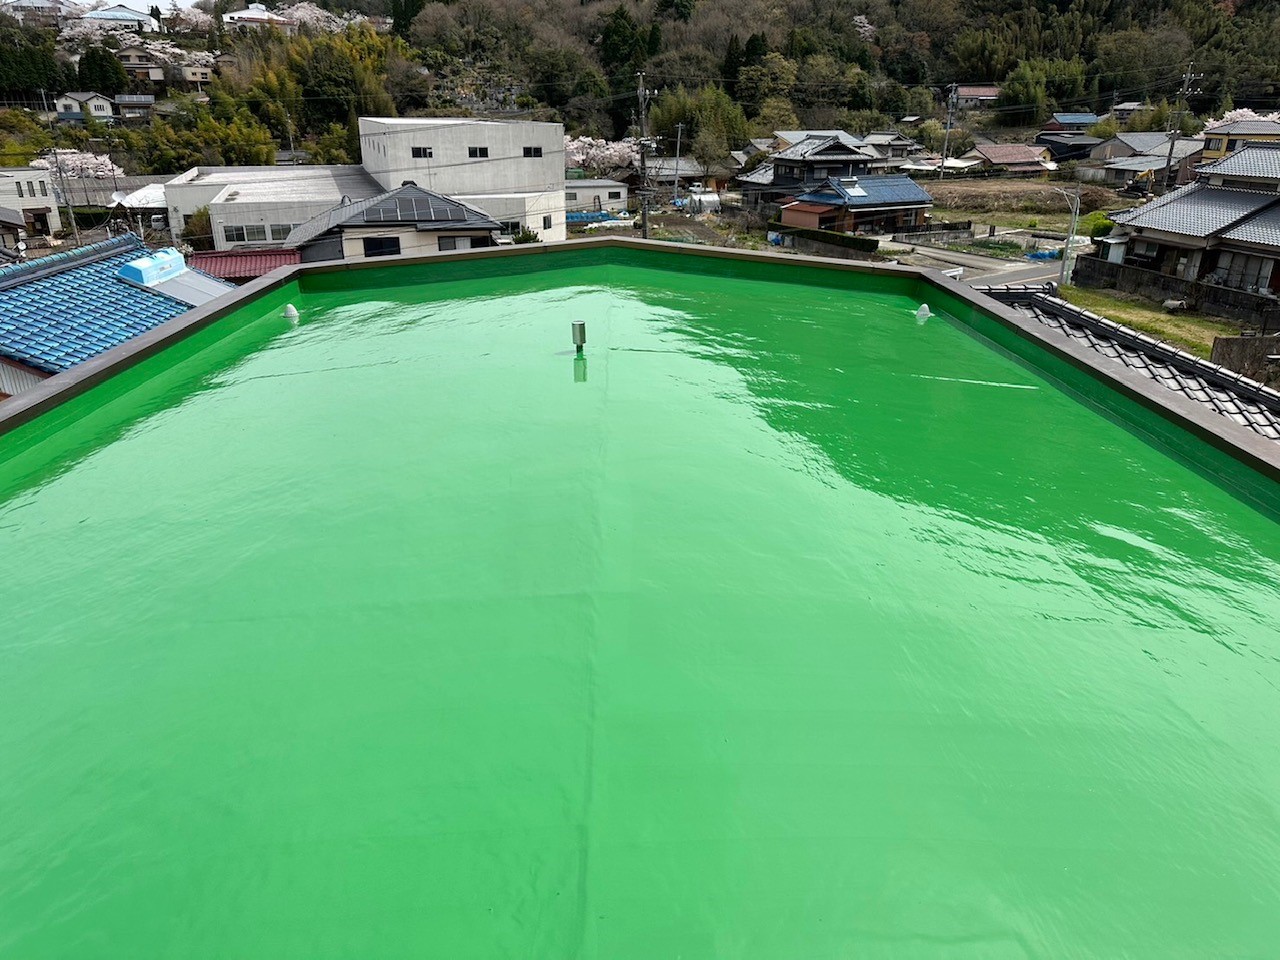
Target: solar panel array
[415,210]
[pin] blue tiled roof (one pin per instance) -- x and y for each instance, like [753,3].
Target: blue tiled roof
[1076,118]
[61,310]
[880,191]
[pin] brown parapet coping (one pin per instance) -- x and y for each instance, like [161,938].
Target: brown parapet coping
[1219,432]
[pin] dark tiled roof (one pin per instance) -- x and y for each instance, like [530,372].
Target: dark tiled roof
[1197,210]
[836,148]
[1257,160]
[761,176]
[1227,393]
[409,204]
[61,310]
[878,191]
[1263,228]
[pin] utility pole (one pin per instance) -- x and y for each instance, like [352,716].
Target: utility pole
[57,170]
[1176,126]
[946,141]
[1075,216]
[675,177]
[642,96]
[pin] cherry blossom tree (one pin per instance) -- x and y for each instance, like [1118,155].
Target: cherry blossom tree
[78,164]
[597,155]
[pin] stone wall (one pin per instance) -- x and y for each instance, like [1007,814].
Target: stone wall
[1249,308]
[1248,355]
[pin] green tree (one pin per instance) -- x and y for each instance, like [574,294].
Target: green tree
[198,230]
[101,72]
[774,77]
[709,147]
[732,63]
[1023,98]
[776,113]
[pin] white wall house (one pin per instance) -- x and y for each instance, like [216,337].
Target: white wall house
[30,191]
[513,170]
[78,106]
[591,195]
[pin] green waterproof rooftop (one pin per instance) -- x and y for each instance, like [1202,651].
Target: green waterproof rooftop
[782,624]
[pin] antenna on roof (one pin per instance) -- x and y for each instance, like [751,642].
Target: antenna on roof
[118,197]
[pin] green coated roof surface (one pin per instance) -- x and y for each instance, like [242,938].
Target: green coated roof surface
[783,625]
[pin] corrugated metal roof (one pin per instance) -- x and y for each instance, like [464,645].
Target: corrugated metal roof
[1236,397]
[1197,210]
[1088,119]
[1257,160]
[242,264]
[61,310]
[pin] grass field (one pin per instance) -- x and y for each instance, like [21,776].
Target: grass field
[1191,331]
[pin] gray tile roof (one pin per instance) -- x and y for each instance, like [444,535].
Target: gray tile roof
[1224,391]
[1258,160]
[1263,228]
[761,176]
[1144,141]
[1245,127]
[1197,210]
[409,204]
[838,148]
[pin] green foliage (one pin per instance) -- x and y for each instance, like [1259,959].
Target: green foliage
[198,232]
[773,78]
[525,235]
[101,72]
[1023,97]
[27,64]
[1095,225]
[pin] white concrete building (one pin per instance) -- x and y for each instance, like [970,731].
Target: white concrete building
[258,17]
[30,190]
[592,195]
[260,206]
[513,170]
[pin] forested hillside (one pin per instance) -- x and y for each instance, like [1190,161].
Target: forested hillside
[726,69]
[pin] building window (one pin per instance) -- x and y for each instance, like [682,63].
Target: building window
[381,246]
[1215,143]
[18,184]
[533,151]
[546,222]
[99,108]
[44,189]
[281,231]
[421,153]
[448,243]
[255,231]
[477,153]
[570,196]
[31,188]
[615,194]
[509,227]
[233,234]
